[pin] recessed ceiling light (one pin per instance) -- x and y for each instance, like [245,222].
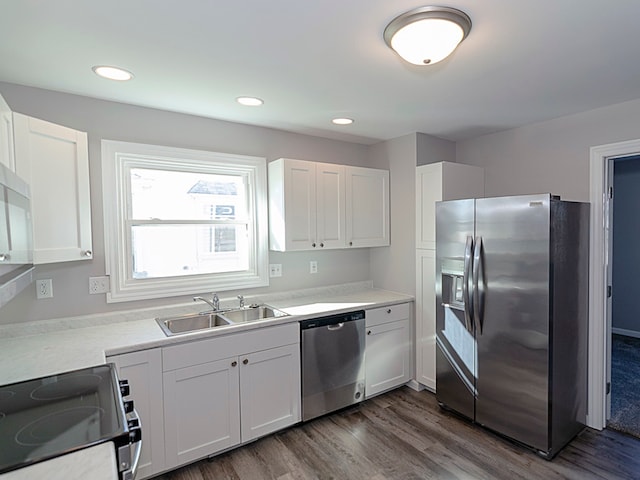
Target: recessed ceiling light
[112,73]
[250,101]
[342,121]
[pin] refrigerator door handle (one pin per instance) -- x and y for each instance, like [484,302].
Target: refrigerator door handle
[478,285]
[467,296]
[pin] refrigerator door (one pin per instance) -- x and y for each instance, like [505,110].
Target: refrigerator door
[455,353]
[512,302]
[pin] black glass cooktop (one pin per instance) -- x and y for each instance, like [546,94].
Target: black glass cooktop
[51,416]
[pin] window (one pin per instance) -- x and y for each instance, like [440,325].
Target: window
[182,221]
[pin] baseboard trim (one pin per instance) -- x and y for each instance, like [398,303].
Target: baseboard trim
[418,387]
[625,332]
[412,384]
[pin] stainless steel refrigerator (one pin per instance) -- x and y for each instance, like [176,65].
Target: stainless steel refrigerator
[512,315]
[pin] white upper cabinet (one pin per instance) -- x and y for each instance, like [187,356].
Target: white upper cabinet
[7,155]
[306,205]
[330,205]
[54,161]
[442,181]
[324,206]
[367,199]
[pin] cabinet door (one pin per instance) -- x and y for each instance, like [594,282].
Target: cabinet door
[143,370]
[428,192]
[442,181]
[270,390]
[300,204]
[54,161]
[367,200]
[388,356]
[202,410]
[426,318]
[7,156]
[330,206]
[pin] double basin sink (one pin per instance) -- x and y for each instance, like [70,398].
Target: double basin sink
[207,320]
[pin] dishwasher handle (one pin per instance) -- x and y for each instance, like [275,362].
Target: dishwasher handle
[335,326]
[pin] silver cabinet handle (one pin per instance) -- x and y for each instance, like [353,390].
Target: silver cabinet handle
[245,361]
[388,310]
[87,253]
[313,244]
[4,257]
[234,363]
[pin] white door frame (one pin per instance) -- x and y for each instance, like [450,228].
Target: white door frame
[599,325]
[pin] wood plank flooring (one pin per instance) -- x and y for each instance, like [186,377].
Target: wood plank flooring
[405,435]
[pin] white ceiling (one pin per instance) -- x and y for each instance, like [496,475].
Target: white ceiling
[312,60]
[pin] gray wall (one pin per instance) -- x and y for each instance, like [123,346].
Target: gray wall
[394,267]
[551,156]
[116,121]
[626,254]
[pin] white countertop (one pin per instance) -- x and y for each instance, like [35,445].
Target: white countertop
[37,349]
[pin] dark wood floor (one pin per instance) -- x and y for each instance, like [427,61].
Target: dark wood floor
[405,435]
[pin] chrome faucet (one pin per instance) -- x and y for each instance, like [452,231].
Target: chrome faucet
[241,299]
[214,304]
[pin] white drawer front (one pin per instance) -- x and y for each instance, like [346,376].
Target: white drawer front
[391,313]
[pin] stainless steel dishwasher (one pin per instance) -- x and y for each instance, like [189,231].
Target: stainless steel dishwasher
[332,363]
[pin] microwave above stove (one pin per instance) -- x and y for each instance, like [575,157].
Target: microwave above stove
[58,415]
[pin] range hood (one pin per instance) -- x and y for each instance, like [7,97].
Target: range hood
[16,238]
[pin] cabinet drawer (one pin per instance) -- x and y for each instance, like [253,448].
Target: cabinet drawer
[212,349]
[390,313]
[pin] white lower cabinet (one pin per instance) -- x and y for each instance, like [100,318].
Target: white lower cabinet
[224,391]
[270,391]
[202,410]
[426,318]
[143,370]
[388,348]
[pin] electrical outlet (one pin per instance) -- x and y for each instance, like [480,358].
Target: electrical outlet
[275,270]
[313,266]
[98,285]
[44,288]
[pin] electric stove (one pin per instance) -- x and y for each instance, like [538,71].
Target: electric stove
[47,417]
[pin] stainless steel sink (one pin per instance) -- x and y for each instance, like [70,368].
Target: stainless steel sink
[190,323]
[250,314]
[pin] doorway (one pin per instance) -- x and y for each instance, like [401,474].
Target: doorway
[625,319]
[599,377]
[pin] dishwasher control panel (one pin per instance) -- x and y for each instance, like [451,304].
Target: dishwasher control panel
[331,320]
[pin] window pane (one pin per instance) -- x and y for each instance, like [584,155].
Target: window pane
[174,195]
[179,250]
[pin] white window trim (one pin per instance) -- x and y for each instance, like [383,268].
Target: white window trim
[115,155]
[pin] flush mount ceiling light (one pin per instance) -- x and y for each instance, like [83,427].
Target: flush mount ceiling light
[426,35]
[342,121]
[112,73]
[250,101]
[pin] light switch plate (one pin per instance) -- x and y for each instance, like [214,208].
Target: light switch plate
[313,266]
